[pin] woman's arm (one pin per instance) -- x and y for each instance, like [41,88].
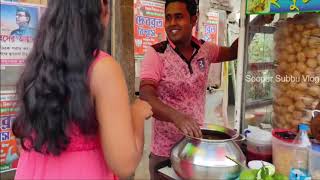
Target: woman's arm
[121,133]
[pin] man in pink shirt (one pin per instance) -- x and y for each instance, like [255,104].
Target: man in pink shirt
[173,76]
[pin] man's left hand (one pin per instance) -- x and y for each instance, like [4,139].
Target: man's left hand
[267,19]
[263,19]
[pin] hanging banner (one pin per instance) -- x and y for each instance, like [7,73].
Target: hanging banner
[9,151]
[18,27]
[281,6]
[211,33]
[148,25]
[209,27]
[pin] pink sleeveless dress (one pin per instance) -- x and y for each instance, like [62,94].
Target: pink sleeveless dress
[83,158]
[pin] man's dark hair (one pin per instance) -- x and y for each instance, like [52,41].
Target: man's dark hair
[22,9]
[192,6]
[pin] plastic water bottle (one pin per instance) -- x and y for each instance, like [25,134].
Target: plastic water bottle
[299,167]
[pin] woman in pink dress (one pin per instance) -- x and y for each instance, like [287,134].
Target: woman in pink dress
[75,120]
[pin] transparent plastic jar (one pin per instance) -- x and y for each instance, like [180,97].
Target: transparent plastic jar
[259,145]
[314,161]
[282,150]
[296,88]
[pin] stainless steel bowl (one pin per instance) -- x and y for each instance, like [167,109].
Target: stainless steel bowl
[200,158]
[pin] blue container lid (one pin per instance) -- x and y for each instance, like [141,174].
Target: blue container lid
[316,147]
[304,127]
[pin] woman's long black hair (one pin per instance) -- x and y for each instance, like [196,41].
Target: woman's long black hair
[53,89]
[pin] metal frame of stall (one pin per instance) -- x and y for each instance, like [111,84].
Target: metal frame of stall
[241,68]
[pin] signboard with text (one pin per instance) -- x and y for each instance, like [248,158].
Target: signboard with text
[281,6]
[148,25]
[210,27]
[9,152]
[18,27]
[19,23]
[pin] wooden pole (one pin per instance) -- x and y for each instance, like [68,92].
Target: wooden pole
[122,40]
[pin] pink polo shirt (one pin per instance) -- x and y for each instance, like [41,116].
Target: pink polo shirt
[180,85]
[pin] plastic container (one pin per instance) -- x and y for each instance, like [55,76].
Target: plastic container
[297,56]
[259,144]
[314,161]
[282,150]
[299,164]
[258,164]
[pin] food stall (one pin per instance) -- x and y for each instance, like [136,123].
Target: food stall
[288,50]
[278,78]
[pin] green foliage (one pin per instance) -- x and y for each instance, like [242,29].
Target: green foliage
[248,174]
[265,173]
[260,50]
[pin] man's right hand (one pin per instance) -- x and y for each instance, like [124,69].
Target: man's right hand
[187,125]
